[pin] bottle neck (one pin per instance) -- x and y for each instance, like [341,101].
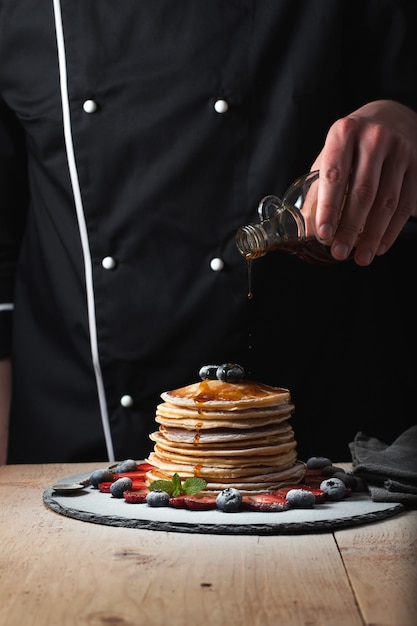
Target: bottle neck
[284,229]
[252,241]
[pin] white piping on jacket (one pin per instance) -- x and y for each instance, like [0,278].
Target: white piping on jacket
[9,306]
[82,227]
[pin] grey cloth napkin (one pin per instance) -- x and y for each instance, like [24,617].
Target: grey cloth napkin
[389,471]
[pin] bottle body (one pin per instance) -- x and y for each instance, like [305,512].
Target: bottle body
[287,225]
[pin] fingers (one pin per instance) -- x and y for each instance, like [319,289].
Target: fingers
[368,187]
[335,164]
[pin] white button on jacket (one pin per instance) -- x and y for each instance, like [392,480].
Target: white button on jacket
[90,106]
[109,263]
[217,264]
[221,106]
[126,401]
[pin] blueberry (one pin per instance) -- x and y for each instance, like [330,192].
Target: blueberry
[318,462]
[334,488]
[229,500]
[157,498]
[129,465]
[348,478]
[230,372]
[301,498]
[119,486]
[330,470]
[101,476]
[208,372]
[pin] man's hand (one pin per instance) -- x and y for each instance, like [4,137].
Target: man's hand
[373,151]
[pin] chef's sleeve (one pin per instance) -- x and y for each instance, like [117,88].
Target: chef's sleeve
[13,209]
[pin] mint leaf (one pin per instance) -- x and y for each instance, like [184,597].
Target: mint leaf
[163,485]
[194,485]
[176,485]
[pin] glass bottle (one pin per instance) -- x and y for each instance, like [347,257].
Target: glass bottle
[288,225]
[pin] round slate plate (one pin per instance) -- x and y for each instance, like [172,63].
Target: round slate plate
[90,505]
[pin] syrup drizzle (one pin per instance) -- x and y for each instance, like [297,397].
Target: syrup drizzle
[250,298]
[249,262]
[198,434]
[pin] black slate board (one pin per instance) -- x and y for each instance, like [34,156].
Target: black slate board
[90,505]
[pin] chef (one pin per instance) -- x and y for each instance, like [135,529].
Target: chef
[135,139]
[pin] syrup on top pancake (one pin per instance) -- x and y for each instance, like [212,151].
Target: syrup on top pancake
[229,431]
[216,394]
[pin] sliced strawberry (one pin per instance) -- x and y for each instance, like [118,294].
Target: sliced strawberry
[138,485]
[145,467]
[131,475]
[194,503]
[140,472]
[319,495]
[177,502]
[274,501]
[135,497]
[200,503]
[104,487]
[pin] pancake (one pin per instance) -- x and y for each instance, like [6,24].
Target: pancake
[200,422]
[267,448]
[232,434]
[270,481]
[216,394]
[216,436]
[172,411]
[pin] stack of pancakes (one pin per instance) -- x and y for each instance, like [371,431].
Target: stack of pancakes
[231,434]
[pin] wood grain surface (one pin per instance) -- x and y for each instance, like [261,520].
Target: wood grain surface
[59,571]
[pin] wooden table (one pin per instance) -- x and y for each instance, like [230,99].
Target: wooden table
[59,571]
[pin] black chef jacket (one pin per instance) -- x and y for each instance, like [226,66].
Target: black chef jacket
[136,137]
